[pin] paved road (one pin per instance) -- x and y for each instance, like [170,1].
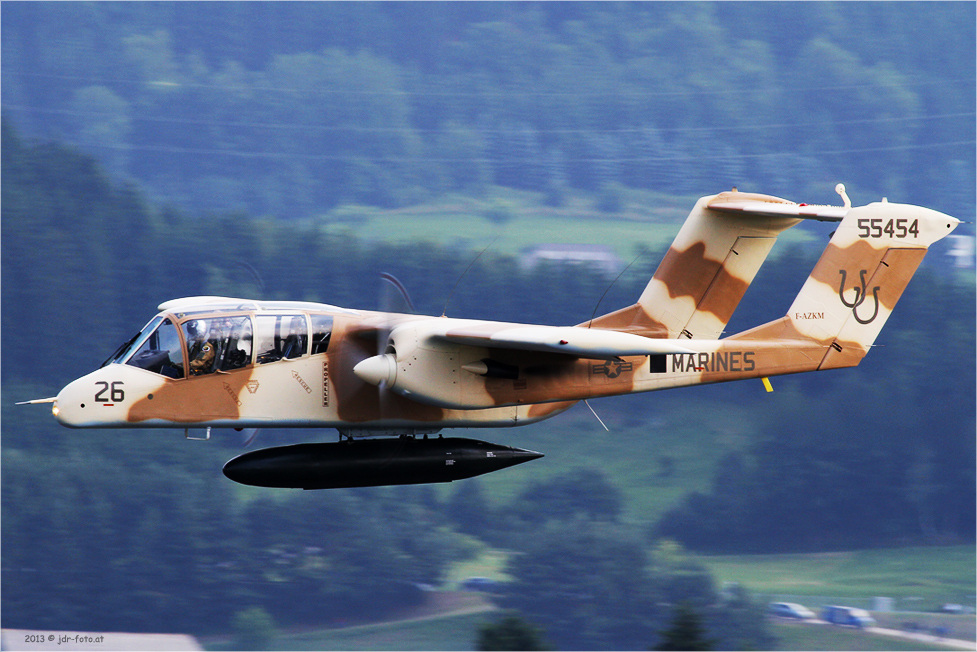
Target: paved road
[924,638]
[955,643]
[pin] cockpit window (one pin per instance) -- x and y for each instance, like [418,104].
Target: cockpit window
[321,332]
[137,340]
[218,344]
[160,350]
[281,337]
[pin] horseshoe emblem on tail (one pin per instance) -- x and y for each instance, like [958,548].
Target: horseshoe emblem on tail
[860,294]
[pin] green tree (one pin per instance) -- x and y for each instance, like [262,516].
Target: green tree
[254,629]
[103,124]
[685,632]
[511,632]
[585,583]
[469,509]
[460,152]
[581,493]
[737,623]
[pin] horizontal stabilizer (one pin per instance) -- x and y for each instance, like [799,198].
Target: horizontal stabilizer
[580,342]
[772,209]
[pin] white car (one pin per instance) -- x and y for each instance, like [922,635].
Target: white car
[790,610]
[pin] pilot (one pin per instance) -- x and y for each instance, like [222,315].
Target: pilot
[202,351]
[293,346]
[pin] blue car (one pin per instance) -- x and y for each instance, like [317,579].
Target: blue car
[848,616]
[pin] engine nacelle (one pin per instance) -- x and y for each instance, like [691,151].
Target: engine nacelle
[427,369]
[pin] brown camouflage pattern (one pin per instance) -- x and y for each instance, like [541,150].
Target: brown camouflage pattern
[832,323]
[706,271]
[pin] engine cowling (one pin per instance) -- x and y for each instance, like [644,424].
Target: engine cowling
[426,369]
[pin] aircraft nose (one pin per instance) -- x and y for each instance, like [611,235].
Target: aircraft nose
[78,406]
[69,406]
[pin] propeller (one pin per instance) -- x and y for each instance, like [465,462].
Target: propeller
[249,435]
[394,296]
[378,369]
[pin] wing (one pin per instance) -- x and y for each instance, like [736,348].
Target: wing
[575,341]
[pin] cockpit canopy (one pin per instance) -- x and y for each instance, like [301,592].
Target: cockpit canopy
[181,346]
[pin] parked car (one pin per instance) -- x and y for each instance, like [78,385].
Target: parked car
[850,616]
[483,584]
[790,610]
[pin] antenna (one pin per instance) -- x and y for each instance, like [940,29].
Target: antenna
[587,403]
[594,314]
[840,189]
[475,260]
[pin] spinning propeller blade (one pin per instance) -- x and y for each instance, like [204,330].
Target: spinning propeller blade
[249,435]
[394,298]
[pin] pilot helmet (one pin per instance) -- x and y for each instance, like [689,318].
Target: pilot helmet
[196,329]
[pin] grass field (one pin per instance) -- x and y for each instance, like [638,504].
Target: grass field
[450,633]
[459,632]
[490,563]
[446,620]
[963,627]
[647,218]
[920,579]
[799,636]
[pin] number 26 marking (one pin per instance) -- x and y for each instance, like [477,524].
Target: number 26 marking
[115,392]
[899,228]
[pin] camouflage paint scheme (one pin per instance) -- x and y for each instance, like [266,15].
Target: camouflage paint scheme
[386,374]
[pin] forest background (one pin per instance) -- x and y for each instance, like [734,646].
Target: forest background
[150,149]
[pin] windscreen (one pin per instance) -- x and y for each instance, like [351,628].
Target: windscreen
[160,351]
[134,343]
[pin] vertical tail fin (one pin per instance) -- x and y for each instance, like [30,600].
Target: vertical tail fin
[855,285]
[707,269]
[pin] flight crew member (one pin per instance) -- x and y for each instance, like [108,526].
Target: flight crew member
[202,351]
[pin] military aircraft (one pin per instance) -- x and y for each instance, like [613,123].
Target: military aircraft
[217,362]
